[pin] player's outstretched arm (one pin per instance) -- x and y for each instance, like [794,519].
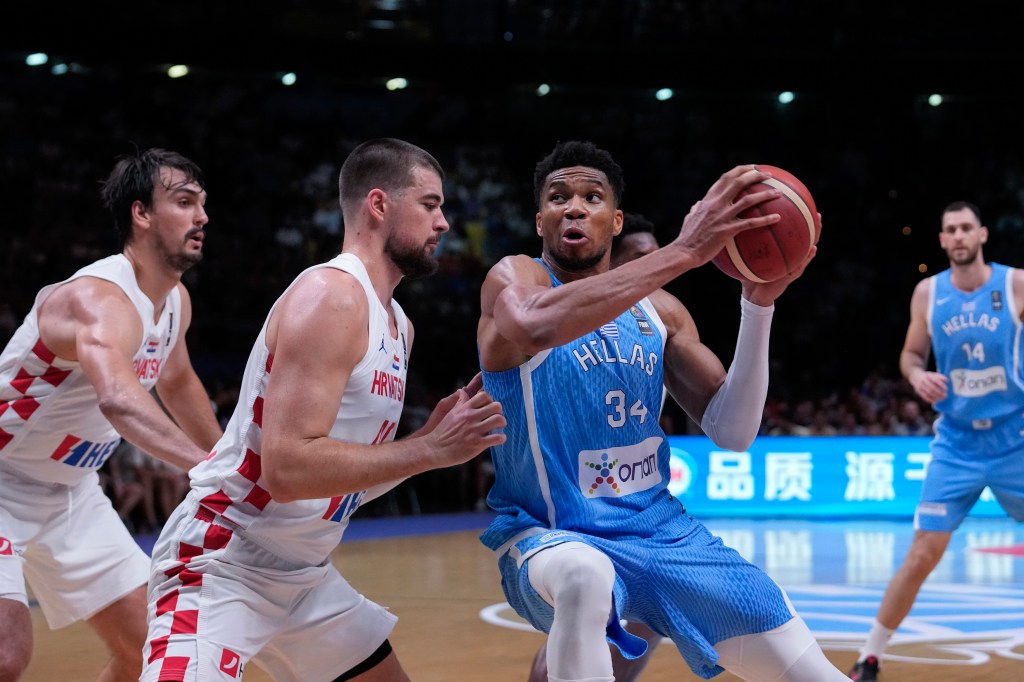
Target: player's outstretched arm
[519,305]
[93,322]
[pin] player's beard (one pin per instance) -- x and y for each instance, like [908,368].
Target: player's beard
[972,255]
[181,260]
[576,263]
[412,260]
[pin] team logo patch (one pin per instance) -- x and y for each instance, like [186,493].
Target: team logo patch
[396,364]
[152,345]
[997,300]
[6,548]
[609,331]
[642,323]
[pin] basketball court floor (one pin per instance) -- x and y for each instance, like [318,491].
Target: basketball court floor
[454,625]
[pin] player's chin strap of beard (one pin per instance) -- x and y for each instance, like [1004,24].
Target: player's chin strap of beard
[733,416]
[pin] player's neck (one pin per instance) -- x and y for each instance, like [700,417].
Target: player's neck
[970,276]
[155,278]
[383,273]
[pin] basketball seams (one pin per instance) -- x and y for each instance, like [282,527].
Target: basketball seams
[795,198]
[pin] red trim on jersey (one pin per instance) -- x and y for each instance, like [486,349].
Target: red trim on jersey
[5,438]
[252,466]
[43,353]
[167,603]
[258,497]
[64,447]
[25,407]
[257,411]
[217,502]
[173,669]
[22,381]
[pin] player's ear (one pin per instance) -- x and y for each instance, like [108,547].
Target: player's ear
[618,223]
[376,199]
[984,234]
[539,230]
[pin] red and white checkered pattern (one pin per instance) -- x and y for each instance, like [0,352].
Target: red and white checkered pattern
[177,610]
[36,378]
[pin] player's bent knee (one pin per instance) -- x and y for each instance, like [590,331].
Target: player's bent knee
[574,575]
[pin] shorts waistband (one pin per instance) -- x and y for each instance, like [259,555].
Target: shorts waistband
[979,424]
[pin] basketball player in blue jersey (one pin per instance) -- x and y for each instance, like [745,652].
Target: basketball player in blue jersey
[586,532]
[636,239]
[970,317]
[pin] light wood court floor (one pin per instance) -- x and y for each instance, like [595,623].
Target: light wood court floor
[438,585]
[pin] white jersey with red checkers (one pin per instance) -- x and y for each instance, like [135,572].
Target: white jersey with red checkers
[230,484]
[51,427]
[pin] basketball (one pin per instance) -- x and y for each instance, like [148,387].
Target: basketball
[766,254]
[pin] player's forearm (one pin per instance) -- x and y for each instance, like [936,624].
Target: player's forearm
[733,416]
[911,365]
[192,410]
[558,315]
[138,418]
[324,467]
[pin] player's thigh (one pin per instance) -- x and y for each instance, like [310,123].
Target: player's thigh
[83,559]
[331,630]
[122,624]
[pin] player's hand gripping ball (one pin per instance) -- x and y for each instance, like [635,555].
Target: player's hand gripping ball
[765,254]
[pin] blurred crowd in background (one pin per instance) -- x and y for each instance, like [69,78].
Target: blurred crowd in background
[881,162]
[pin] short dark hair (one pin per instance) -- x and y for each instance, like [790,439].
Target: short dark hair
[632,223]
[961,205]
[134,178]
[384,163]
[579,153]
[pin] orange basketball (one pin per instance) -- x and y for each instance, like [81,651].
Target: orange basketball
[766,254]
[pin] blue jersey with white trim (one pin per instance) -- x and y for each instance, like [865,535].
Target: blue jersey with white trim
[976,339]
[584,450]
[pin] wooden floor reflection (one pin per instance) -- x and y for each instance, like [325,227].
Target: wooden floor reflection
[438,584]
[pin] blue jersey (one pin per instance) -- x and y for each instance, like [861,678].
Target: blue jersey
[584,449]
[976,339]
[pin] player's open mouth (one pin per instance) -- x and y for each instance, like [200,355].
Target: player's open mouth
[574,236]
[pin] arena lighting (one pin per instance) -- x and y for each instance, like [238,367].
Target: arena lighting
[664,94]
[37,59]
[935,100]
[59,69]
[289,78]
[543,89]
[396,84]
[177,71]
[786,97]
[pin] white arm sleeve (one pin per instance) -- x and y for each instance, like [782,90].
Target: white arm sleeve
[733,416]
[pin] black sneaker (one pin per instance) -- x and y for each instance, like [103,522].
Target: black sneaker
[866,670]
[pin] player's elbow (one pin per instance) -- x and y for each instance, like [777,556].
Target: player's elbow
[734,442]
[276,479]
[531,337]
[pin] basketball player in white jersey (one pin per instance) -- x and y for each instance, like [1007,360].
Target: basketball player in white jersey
[242,569]
[74,379]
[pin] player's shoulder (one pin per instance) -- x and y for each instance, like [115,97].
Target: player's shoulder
[518,268]
[327,288]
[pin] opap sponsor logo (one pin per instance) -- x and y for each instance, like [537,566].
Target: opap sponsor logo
[612,472]
[974,383]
